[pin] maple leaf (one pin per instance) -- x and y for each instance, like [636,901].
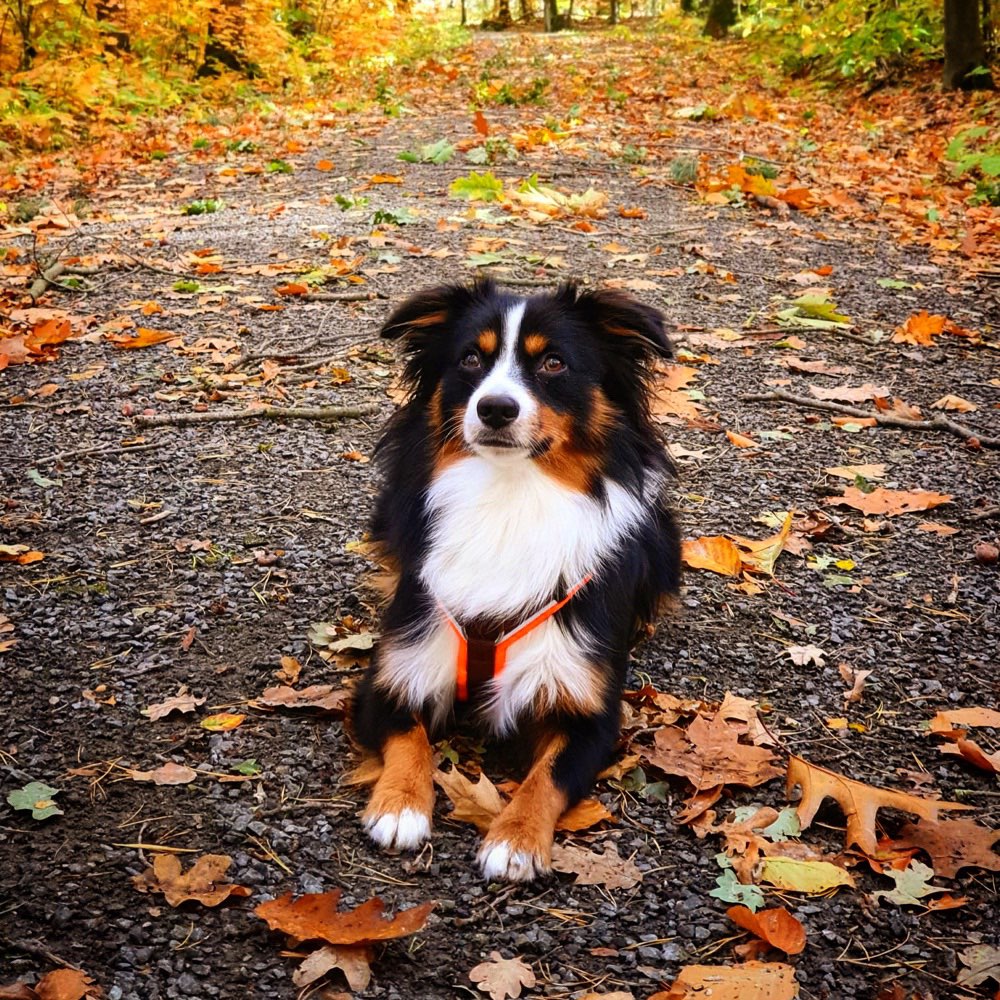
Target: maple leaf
[353,960]
[202,881]
[325,697]
[502,977]
[775,926]
[891,503]
[911,885]
[748,981]
[709,754]
[314,916]
[478,804]
[860,802]
[920,329]
[608,869]
[802,656]
[952,844]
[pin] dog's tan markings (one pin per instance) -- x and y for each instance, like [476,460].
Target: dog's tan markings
[575,456]
[405,782]
[487,341]
[428,319]
[534,344]
[522,833]
[435,411]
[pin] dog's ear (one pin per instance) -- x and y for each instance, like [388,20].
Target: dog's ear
[625,321]
[428,312]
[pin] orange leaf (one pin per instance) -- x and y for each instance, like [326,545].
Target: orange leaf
[222,722]
[777,927]
[920,329]
[480,124]
[385,179]
[324,165]
[888,502]
[747,981]
[201,882]
[144,338]
[293,288]
[64,984]
[314,916]
[53,331]
[715,553]
[631,213]
[946,721]
[740,441]
[584,815]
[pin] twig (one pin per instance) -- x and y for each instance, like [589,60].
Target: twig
[38,950]
[351,296]
[51,274]
[268,412]
[530,282]
[984,515]
[96,450]
[938,423]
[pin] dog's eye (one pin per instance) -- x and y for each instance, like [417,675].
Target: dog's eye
[471,361]
[552,364]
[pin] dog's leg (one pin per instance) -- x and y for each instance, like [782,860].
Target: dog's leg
[518,846]
[399,811]
[402,801]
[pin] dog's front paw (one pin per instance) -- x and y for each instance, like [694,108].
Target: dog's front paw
[507,861]
[405,830]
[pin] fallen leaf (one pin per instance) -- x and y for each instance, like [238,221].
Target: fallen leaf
[478,804]
[851,472]
[502,977]
[36,796]
[956,403]
[749,981]
[222,722]
[608,869]
[288,672]
[314,916]
[982,962]
[353,960]
[21,554]
[183,701]
[937,528]
[888,502]
[144,337]
[860,802]
[796,875]
[584,815]
[740,440]
[66,984]
[201,882]
[845,394]
[952,844]
[948,720]
[775,926]
[911,885]
[168,774]
[715,553]
[325,697]
[802,656]
[856,678]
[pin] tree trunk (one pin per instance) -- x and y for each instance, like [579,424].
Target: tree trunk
[463,14]
[721,17]
[964,49]
[551,14]
[503,13]
[613,16]
[109,14]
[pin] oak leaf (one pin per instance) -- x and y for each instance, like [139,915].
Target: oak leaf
[982,962]
[911,885]
[502,977]
[167,774]
[325,697]
[952,844]
[353,960]
[775,926]
[314,916]
[144,337]
[183,701]
[609,869]
[888,502]
[477,803]
[202,881]
[747,981]
[860,802]
[66,984]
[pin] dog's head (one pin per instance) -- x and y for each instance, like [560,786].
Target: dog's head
[544,378]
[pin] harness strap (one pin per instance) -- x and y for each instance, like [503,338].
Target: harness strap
[477,656]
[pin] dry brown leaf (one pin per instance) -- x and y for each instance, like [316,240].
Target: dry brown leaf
[937,528]
[748,981]
[314,917]
[952,844]
[324,697]
[288,672]
[851,472]
[709,753]
[845,394]
[946,721]
[888,502]
[502,977]
[353,960]
[970,751]
[608,869]
[897,407]
[583,816]
[956,403]
[183,701]
[144,337]
[775,926]
[202,881]
[478,804]
[856,678]
[715,553]
[669,403]
[66,984]
[760,555]
[859,802]
[674,377]
[167,774]
[795,364]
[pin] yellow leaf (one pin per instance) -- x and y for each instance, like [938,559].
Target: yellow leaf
[222,722]
[715,553]
[812,877]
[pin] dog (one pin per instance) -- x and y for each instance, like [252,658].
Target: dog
[524,519]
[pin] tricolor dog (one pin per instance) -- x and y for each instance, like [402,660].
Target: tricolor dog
[523,513]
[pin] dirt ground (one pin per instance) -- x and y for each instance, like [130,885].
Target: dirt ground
[103,625]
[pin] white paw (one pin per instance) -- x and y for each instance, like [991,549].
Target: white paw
[404,830]
[502,862]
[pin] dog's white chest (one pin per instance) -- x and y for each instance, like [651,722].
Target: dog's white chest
[504,535]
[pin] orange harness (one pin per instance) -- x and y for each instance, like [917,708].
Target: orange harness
[481,658]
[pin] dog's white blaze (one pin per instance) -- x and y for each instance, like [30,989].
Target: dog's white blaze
[422,672]
[505,380]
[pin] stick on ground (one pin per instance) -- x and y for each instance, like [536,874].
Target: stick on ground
[938,423]
[329,413]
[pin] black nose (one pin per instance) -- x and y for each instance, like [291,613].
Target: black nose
[497,411]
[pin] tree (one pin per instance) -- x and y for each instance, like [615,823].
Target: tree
[964,48]
[721,17]
[551,13]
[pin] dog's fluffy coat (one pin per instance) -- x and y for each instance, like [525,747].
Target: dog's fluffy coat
[523,463]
